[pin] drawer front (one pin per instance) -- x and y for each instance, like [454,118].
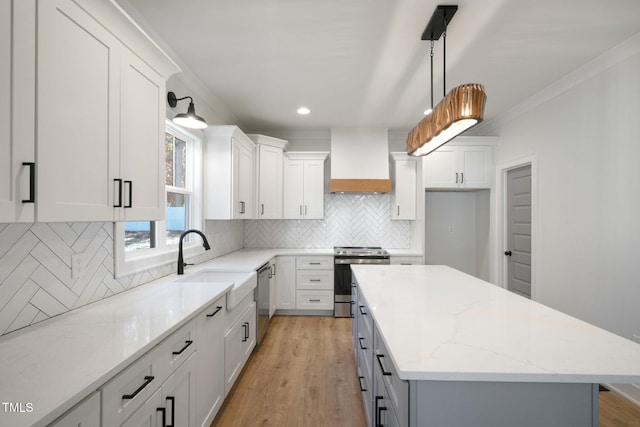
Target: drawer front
[178,347]
[314,300]
[397,389]
[406,260]
[128,390]
[314,279]
[314,262]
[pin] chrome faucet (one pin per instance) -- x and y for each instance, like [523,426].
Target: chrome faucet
[181,263]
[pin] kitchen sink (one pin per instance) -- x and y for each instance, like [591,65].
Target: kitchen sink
[243,283]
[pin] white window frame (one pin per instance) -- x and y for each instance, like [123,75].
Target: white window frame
[163,254]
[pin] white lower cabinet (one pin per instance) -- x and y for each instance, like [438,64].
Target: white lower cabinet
[210,363]
[179,395]
[84,414]
[239,340]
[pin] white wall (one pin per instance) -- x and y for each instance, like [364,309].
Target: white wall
[585,132]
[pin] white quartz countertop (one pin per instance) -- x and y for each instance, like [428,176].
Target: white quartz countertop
[55,364]
[441,324]
[251,259]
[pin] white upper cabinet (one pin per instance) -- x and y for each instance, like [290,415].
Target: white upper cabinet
[99,109]
[270,176]
[304,185]
[229,171]
[17,110]
[404,185]
[460,166]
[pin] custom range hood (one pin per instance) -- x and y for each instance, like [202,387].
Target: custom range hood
[359,160]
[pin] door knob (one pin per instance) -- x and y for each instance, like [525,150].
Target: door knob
[508,253]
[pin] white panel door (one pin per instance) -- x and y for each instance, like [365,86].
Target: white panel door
[270,183]
[313,189]
[179,394]
[285,282]
[293,188]
[518,250]
[404,195]
[246,179]
[78,107]
[141,140]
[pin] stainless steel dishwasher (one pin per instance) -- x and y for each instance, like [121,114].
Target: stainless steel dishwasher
[262,302]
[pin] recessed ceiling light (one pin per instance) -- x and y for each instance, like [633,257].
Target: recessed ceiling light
[303,111]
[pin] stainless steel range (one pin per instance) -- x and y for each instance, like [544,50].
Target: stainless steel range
[343,257]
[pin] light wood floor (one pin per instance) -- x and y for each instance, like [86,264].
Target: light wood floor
[304,374]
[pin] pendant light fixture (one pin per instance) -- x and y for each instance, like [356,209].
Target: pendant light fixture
[461,109]
[188,119]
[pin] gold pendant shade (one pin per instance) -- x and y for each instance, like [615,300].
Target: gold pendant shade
[461,109]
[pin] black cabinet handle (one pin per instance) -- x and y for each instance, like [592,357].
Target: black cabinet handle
[32,182]
[314,300]
[379,357]
[164,415]
[456,177]
[261,208]
[245,336]
[351,309]
[172,399]
[314,263]
[362,346]
[218,308]
[360,381]
[377,417]
[508,253]
[242,207]
[146,382]
[461,177]
[130,183]
[362,311]
[315,280]
[186,345]
[119,182]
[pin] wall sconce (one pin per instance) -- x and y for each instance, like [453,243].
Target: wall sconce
[459,111]
[188,119]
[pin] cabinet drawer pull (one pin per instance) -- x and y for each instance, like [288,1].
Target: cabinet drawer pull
[364,313]
[119,182]
[242,207]
[172,399]
[245,332]
[362,346]
[164,415]
[315,280]
[218,308]
[314,300]
[186,345]
[314,263]
[360,381]
[384,372]
[380,410]
[261,208]
[130,204]
[146,382]
[32,182]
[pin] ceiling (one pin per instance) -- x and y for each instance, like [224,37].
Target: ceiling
[361,63]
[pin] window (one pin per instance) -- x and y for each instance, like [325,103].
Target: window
[148,243]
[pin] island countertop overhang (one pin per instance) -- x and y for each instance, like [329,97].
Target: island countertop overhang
[440,324]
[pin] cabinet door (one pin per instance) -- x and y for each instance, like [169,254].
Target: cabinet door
[293,198]
[475,167]
[85,414]
[178,395]
[272,289]
[313,189]
[441,167]
[210,364]
[149,414]
[17,112]
[245,181]
[286,282]
[249,325]
[270,183]
[404,195]
[77,110]
[142,140]
[233,358]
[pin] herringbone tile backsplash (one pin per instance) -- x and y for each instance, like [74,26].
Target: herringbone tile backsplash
[35,267]
[350,220]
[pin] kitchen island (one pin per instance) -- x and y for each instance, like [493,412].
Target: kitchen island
[435,347]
